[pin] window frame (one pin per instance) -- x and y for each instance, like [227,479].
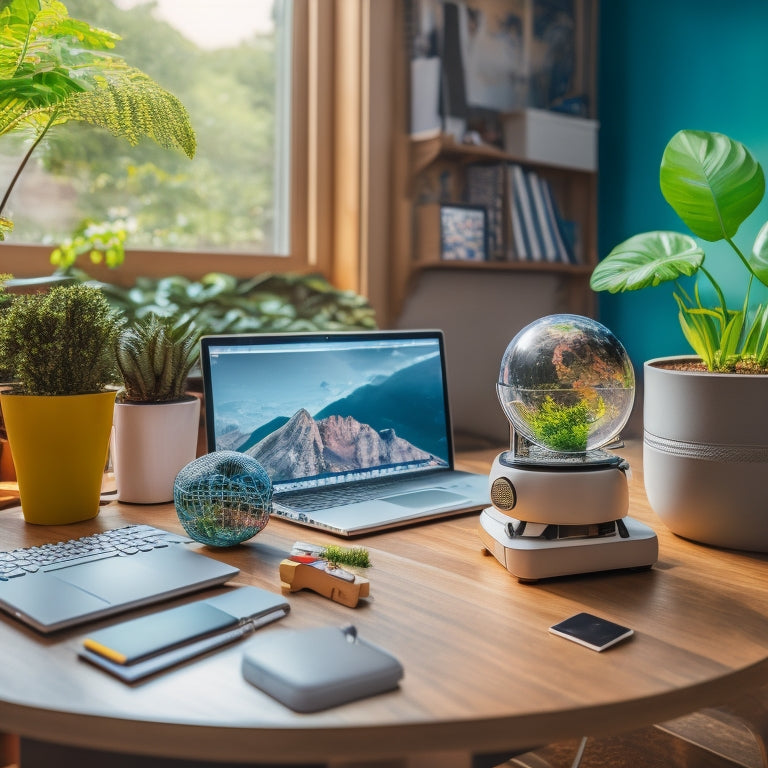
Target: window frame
[310,184]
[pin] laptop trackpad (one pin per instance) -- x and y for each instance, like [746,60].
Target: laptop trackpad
[429,498]
[116,580]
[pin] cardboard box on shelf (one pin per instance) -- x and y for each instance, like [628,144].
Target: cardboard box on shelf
[544,136]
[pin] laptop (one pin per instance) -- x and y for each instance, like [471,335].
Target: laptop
[75,581]
[353,428]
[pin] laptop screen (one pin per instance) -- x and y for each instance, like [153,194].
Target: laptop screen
[318,409]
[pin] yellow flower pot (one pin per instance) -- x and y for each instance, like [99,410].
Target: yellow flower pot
[59,447]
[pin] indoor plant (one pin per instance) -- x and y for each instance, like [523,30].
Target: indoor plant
[705,440]
[58,348]
[156,422]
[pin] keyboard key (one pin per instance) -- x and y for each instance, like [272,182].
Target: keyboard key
[130,540]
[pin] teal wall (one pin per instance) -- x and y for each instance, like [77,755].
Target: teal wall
[665,65]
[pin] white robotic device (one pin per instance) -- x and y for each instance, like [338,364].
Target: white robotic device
[560,499]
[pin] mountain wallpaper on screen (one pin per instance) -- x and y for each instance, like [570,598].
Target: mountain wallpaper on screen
[307,447]
[378,424]
[388,403]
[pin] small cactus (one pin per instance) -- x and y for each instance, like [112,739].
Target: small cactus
[155,356]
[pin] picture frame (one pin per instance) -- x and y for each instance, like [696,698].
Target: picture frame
[452,232]
[463,232]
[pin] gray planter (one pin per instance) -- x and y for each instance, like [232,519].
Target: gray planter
[705,454]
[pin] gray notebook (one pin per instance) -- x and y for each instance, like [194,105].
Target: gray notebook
[353,428]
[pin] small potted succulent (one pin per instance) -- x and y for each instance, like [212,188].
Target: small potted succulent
[156,421]
[58,350]
[705,443]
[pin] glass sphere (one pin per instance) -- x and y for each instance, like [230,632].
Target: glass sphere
[223,498]
[566,384]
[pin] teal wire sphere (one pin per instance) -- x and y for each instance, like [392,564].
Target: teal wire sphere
[223,498]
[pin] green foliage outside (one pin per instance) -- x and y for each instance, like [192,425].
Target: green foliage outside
[223,201]
[56,70]
[61,342]
[563,427]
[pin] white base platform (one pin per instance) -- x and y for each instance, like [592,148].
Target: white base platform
[531,559]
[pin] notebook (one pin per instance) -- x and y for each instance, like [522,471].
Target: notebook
[65,584]
[353,428]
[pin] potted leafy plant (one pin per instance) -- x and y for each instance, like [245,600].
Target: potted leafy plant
[54,69]
[58,347]
[705,440]
[156,422]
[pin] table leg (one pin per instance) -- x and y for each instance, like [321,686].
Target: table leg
[752,709]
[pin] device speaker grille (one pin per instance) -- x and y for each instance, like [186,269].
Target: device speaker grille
[503,494]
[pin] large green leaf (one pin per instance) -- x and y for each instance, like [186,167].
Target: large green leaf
[646,260]
[53,65]
[712,182]
[758,259]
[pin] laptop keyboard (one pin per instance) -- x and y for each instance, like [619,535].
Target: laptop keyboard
[338,495]
[118,542]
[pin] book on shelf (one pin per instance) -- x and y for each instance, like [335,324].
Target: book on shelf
[524,207]
[518,248]
[545,226]
[485,186]
[565,233]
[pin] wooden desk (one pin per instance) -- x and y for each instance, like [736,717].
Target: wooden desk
[482,673]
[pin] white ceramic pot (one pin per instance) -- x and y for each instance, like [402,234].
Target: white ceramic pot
[705,454]
[151,442]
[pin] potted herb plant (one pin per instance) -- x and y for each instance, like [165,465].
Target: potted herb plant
[156,422]
[58,347]
[705,442]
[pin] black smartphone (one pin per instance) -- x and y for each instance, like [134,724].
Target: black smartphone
[591,631]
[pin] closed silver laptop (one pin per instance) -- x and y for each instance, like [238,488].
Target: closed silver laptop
[63,584]
[353,428]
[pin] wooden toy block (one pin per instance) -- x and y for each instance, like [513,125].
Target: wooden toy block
[323,577]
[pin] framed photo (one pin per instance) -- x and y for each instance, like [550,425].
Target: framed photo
[463,232]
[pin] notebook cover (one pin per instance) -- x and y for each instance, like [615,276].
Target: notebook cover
[131,641]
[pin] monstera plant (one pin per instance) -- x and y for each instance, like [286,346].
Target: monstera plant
[55,69]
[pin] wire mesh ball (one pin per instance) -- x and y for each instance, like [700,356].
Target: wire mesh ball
[223,498]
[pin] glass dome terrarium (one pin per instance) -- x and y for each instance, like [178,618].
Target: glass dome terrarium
[566,384]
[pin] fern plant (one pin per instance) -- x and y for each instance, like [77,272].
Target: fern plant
[54,69]
[61,342]
[155,356]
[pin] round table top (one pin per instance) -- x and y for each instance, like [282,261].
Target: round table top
[482,672]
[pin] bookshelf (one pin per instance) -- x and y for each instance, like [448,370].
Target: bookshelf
[440,160]
[433,169]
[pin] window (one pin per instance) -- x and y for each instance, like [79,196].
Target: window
[319,84]
[231,64]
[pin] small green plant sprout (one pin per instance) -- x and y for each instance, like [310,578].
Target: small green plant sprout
[564,427]
[357,557]
[102,242]
[713,183]
[61,342]
[155,356]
